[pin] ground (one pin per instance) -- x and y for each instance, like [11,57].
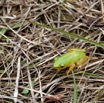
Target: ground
[27,51]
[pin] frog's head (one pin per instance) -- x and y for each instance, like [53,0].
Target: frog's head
[57,63]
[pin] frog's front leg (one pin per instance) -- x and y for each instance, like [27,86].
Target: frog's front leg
[61,68]
[72,66]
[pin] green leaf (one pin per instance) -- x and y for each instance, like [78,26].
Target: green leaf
[25,91]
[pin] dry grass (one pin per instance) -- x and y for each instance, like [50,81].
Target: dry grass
[27,53]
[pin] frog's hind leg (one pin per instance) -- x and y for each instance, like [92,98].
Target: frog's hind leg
[82,61]
[72,66]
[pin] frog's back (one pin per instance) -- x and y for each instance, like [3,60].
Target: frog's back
[69,58]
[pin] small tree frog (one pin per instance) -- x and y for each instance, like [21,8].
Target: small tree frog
[73,57]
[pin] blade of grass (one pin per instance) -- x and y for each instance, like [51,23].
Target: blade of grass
[2,33]
[70,34]
[90,74]
[75,89]
[14,26]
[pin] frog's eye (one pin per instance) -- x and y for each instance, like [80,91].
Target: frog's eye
[87,54]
